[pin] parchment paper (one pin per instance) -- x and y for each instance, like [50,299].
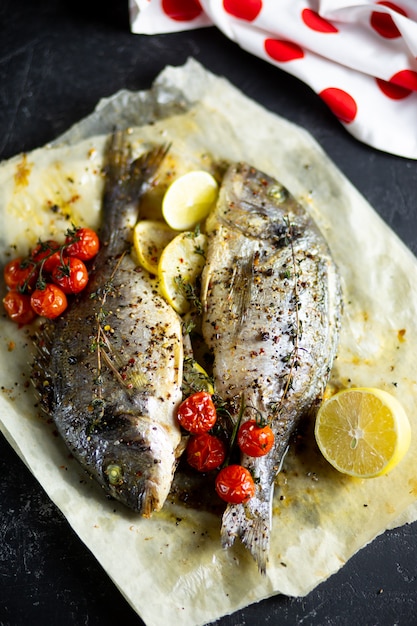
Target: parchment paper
[321,518]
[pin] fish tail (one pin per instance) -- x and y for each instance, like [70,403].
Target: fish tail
[252,526]
[126,180]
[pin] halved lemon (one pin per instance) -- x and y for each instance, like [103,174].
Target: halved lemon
[189,199]
[149,239]
[363,432]
[181,263]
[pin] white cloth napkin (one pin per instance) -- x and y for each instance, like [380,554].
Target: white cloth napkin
[360,57]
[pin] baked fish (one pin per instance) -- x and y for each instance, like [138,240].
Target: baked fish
[271,309]
[109,371]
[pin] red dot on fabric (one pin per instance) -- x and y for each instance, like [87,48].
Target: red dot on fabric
[406,79]
[383,23]
[314,21]
[395,92]
[182,10]
[283,51]
[393,6]
[342,105]
[243,9]
[399,86]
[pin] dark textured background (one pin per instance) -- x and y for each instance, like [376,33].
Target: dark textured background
[57,59]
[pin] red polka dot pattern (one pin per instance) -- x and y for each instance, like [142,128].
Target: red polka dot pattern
[182,10]
[340,50]
[399,86]
[383,23]
[406,78]
[395,92]
[314,21]
[243,9]
[283,51]
[340,103]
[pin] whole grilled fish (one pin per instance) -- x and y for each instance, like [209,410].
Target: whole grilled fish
[271,309]
[110,369]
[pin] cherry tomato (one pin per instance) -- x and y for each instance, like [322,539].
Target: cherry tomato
[255,440]
[49,302]
[18,307]
[45,250]
[20,273]
[234,484]
[83,244]
[205,452]
[71,275]
[197,413]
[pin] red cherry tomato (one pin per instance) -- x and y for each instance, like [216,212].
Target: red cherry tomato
[18,307]
[234,484]
[205,452]
[83,244]
[49,302]
[20,274]
[197,413]
[255,440]
[71,275]
[44,251]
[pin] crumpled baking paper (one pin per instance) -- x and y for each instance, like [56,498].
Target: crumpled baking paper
[360,57]
[171,568]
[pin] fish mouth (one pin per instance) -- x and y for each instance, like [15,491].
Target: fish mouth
[150,499]
[138,492]
[138,472]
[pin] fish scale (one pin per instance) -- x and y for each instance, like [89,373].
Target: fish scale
[271,314]
[109,370]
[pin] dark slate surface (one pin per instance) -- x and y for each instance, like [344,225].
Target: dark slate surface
[57,59]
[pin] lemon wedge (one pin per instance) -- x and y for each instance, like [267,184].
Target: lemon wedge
[195,378]
[181,263]
[189,199]
[149,240]
[363,432]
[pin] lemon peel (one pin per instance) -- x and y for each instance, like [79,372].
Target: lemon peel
[181,263]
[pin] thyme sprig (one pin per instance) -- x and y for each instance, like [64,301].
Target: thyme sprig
[101,343]
[236,426]
[189,292]
[260,419]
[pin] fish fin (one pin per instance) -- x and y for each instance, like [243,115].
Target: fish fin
[251,523]
[135,380]
[180,449]
[240,289]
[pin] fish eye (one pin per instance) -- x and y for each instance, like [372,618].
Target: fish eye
[278,192]
[114,474]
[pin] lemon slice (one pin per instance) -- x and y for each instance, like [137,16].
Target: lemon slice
[181,262]
[149,239]
[363,432]
[189,199]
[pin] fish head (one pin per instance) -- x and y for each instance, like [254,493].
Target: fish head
[255,204]
[137,466]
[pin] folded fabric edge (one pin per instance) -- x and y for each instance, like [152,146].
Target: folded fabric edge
[147,19]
